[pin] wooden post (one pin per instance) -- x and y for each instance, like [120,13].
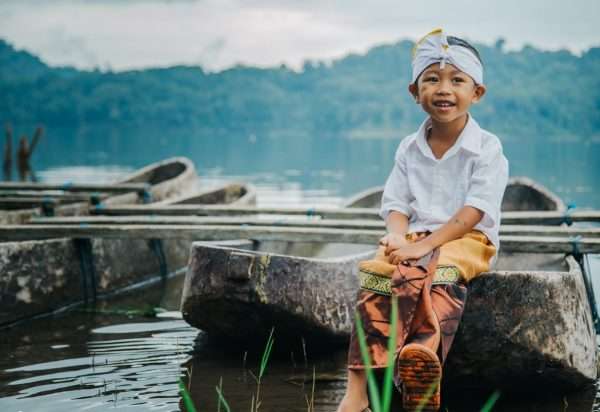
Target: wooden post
[23,158]
[24,153]
[7,165]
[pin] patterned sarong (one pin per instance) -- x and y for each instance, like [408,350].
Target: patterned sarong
[431,296]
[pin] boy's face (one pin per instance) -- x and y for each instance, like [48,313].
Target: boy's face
[447,94]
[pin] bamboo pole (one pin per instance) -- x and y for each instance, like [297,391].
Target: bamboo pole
[8,203]
[70,187]
[517,230]
[525,217]
[220,210]
[59,196]
[524,244]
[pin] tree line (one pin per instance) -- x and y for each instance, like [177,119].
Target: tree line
[532,94]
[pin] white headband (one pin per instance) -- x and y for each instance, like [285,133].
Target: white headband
[434,48]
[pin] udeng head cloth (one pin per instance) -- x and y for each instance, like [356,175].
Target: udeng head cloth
[434,48]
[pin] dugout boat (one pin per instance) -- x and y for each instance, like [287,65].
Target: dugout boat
[232,194]
[166,179]
[522,193]
[40,276]
[527,322]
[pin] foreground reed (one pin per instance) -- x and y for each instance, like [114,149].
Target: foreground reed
[381,400]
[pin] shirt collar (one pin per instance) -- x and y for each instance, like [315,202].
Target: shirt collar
[469,139]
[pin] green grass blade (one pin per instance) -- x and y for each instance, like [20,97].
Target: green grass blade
[187,398]
[389,370]
[266,354]
[428,394]
[222,400]
[219,390]
[489,404]
[372,383]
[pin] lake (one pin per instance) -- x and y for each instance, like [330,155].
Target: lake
[113,356]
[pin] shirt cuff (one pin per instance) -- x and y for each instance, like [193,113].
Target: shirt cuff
[394,207]
[489,218]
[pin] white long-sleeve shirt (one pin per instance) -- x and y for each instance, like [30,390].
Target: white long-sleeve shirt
[473,172]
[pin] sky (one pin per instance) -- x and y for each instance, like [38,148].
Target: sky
[216,34]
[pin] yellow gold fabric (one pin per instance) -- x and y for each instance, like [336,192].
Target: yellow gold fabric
[469,256]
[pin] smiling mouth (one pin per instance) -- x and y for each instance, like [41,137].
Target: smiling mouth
[443,104]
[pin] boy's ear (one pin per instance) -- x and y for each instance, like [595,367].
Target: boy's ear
[478,93]
[414,91]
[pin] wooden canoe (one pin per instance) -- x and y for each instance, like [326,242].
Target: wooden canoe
[166,179]
[232,194]
[40,276]
[522,193]
[526,322]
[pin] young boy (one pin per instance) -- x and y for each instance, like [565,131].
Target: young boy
[441,205]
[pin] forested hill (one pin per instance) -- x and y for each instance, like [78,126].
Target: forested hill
[532,94]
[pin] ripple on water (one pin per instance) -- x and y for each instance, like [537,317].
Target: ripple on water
[133,366]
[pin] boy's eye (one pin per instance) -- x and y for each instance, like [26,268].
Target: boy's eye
[430,79]
[458,79]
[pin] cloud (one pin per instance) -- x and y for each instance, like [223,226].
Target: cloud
[221,33]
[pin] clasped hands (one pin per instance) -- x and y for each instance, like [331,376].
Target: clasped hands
[399,250]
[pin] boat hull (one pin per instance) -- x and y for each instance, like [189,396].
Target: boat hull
[166,179]
[517,326]
[40,276]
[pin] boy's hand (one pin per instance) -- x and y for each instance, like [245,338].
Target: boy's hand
[392,241]
[410,251]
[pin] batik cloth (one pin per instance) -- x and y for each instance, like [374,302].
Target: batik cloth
[431,294]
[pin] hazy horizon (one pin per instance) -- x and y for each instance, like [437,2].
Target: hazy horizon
[137,34]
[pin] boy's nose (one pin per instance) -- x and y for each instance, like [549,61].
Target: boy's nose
[443,87]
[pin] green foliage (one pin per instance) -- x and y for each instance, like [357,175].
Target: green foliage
[222,400]
[187,398]
[380,402]
[530,93]
[266,355]
[489,404]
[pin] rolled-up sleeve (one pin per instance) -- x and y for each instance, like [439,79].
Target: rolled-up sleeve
[488,182]
[396,193]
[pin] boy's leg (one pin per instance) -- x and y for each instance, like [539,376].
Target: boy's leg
[434,326]
[418,369]
[373,309]
[355,399]
[448,303]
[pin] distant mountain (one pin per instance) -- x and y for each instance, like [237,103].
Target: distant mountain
[532,94]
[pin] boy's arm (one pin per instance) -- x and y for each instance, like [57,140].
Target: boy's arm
[395,208]
[397,226]
[460,224]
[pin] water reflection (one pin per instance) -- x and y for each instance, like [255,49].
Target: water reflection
[335,163]
[287,386]
[104,359]
[100,360]
[135,366]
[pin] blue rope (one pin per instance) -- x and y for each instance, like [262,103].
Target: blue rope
[567,215]
[95,199]
[575,242]
[48,207]
[66,186]
[146,196]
